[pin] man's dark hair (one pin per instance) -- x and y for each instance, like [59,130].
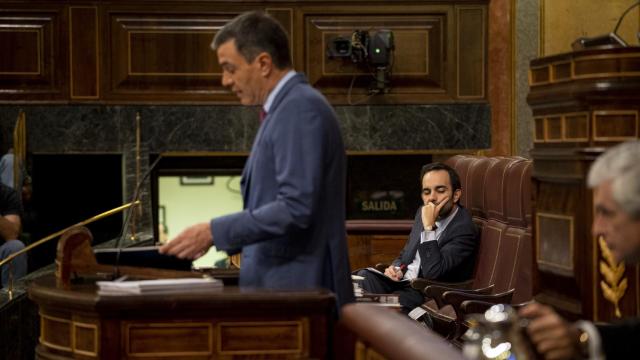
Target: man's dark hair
[256,32]
[453,175]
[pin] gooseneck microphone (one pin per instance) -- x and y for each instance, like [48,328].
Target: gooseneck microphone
[615,30]
[611,39]
[127,220]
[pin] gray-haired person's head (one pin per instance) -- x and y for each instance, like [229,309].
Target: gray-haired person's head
[621,164]
[254,33]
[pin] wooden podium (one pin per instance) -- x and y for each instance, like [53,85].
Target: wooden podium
[582,102]
[222,323]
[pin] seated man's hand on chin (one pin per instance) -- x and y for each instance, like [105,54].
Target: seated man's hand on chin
[394,272]
[551,335]
[191,243]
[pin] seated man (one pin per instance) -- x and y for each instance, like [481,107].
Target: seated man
[442,243]
[615,179]
[10,210]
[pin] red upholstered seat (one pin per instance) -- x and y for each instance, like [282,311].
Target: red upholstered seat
[497,191]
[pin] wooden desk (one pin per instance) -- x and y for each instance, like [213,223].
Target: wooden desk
[225,323]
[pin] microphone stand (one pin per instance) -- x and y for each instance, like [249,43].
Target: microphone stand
[125,225]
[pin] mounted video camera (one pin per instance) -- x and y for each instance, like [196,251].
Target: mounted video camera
[373,50]
[363,48]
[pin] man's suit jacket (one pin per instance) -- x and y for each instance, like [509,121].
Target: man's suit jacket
[292,229]
[452,257]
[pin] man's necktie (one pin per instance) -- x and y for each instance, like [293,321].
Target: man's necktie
[263,114]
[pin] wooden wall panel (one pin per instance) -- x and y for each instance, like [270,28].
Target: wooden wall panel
[164,56]
[370,249]
[472,59]
[140,52]
[33,62]
[83,52]
[285,17]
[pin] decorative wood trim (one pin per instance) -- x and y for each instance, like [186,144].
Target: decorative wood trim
[564,127]
[43,334]
[536,139]
[132,73]
[563,269]
[547,139]
[97,53]
[127,339]
[40,45]
[563,123]
[553,71]
[613,284]
[574,76]
[484,54]
[300,337]
[613,112]
[96,336]
[291,27]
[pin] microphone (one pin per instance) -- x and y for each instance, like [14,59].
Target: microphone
[127,220]
[611,39]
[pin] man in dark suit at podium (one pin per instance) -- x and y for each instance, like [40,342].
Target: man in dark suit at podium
[615,179]
[292,229]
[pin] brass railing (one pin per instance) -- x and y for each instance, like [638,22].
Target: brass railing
[10,258]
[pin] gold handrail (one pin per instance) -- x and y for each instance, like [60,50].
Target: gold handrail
[56,234]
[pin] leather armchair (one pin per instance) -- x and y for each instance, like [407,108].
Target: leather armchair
[500,203]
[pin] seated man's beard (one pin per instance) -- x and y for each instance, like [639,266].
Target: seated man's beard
[446,210]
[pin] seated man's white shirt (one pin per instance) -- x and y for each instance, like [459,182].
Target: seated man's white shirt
[434,235]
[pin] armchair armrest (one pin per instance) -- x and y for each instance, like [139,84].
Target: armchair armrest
[455,299]
[440,323]
[478,306]
[474,307]
[421,283]
[436,292]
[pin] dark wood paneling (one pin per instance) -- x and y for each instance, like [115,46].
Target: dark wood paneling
[226,323]
[471,50]
[139,51]
[615,125]
[84,47]
[368,248]
[553,128]
[576,127]
[33,61]
[165,54]
[261,338]
[285,17]
[164,339]
[588,100]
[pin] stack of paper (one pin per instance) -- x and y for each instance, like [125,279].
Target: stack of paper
[357,289]
[162,286]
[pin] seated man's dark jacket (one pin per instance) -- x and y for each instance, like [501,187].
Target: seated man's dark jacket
[452,257]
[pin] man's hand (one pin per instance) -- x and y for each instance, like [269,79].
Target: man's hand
[191,243]
[394,273]
[553,337]
[430,212]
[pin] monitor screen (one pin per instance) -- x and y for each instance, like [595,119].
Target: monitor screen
[189,199]
[188,189]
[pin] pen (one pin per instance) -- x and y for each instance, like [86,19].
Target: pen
[402,267]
